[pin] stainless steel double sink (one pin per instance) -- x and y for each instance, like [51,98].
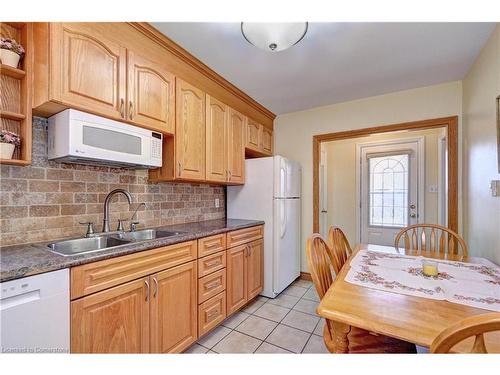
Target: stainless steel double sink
[101,242]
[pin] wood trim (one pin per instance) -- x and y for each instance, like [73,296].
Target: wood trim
[154,34]
[305,276]
[451,125]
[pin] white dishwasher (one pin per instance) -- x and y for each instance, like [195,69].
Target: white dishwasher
[34,314]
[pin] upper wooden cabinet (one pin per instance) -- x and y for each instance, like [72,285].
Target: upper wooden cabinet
[88,71]
[259,140]
[91,71]
[151,94]
[216,140]
[236,150]
[190,132]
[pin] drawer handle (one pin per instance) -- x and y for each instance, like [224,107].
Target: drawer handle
[213,263]
[156,287]
[147,289]
[213,245]
[213,284]
[212,313]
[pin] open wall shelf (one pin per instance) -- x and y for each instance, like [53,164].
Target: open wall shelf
[15,92]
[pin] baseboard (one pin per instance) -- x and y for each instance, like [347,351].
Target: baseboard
[305,276]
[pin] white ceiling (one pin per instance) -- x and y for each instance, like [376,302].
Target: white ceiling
[335,62]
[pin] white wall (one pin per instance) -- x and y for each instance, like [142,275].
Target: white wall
[482,211]
[342,180]
[294,131]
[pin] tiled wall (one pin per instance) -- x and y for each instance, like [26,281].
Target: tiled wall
[47,200]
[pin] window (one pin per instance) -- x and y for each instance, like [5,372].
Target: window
[388,190]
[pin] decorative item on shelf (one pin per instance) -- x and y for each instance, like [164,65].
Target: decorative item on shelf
[10,52]
[8,142]
[429,267]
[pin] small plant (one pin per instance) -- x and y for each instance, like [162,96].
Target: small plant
[10,137]
[12,45]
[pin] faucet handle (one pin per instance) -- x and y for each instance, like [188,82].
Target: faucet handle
[120,225]
[133,226]
[90,228]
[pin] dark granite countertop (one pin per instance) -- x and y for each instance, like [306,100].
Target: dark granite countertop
[31,259]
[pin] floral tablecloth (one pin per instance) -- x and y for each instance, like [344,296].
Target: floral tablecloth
[469,284]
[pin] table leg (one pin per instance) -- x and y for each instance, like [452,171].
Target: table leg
[340,340]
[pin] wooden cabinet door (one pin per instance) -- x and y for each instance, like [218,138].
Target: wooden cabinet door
[151,94]
[255,268]
[267,140]
[216,140]
[236,281]
[88,70]
[236,147]
[174,309]
[190,132]
[115,320]
[253,135]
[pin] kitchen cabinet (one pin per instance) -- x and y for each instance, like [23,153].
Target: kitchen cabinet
[236,149]
[115,320]
[87,70]
[255,268]
[174,309]
[236,290]
[217,140]
[259,140]
[151,94]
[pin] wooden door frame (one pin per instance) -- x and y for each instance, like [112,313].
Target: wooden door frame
[449,123]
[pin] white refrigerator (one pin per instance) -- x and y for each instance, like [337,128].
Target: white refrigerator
[272,193]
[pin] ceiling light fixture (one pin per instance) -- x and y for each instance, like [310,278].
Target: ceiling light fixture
[273,37]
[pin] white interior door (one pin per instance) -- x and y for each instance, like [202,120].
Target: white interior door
[389,191]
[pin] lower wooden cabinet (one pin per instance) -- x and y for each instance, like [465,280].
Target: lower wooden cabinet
[245,274]
[174,309]
[211,313]
[115,320]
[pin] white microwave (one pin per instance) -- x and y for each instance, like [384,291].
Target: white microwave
[82,138]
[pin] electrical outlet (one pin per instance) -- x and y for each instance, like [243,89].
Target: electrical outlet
[495,188]
[217,203]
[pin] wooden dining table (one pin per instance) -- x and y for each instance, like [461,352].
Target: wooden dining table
[414,319]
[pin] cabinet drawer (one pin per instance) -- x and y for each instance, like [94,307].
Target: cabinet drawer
[212,244]
[211,313]
[242,236]
[93,277]
[211,285]
[211,263]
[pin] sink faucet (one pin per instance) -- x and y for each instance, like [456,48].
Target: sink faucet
[107,201]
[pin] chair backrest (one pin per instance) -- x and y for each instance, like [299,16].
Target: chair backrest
[430,237]
[341,250]
[320,263]
[473,326]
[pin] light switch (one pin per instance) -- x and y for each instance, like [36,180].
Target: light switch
[495,188]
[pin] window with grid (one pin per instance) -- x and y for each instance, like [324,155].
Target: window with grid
[388,190]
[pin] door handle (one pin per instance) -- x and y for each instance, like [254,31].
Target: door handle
[147,289]
[156,287]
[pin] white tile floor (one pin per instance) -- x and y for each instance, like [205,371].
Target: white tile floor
[285,324]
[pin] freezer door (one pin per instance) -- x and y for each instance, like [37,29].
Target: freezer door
[286,255]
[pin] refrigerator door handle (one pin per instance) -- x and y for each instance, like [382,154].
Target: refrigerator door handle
[282,182]
[282,217]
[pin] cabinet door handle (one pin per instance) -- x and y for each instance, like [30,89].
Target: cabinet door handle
[212,285]
[155,292]
[230,175]
[180,169]
[122,108]
[130,109]
[213,263]
[147,290]
[212,313]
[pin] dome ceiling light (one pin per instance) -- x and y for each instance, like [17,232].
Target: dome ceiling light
[273,37]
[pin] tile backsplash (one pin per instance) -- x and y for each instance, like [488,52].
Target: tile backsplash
[48,200]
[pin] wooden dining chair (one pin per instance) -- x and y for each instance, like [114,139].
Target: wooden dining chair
[430,237]
[321,266]
[473,326]
[340,248]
